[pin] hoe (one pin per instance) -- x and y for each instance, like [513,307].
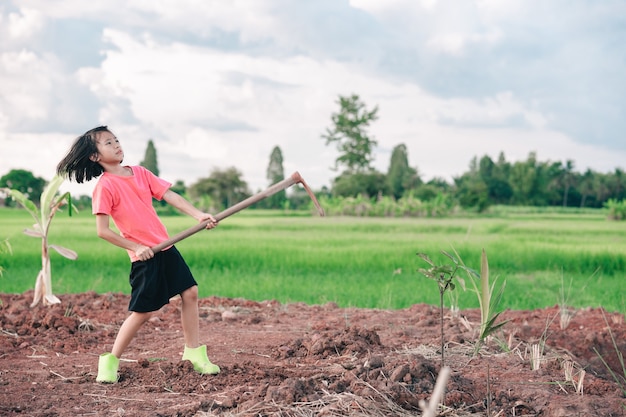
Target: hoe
[295,178]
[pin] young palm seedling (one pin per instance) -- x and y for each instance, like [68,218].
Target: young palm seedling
[487,300]
[443,275]
[50,202]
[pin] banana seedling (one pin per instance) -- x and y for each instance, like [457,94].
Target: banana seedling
[50,202]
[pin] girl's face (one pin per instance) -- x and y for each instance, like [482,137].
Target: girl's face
[109,148]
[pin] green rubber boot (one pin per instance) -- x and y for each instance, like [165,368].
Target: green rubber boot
[200,360]
[107,368]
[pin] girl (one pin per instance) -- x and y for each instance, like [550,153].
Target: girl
[125,193]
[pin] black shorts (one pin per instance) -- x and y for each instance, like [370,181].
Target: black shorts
[157,280]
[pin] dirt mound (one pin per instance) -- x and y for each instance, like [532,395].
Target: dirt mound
[296,359]
[353,340]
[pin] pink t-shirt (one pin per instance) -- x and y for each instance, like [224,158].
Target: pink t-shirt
[128,200]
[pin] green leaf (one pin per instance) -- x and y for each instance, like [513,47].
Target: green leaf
[485,293]
[26,203]
[58,202]
[472,273]
[456,261]
[65,197]
[490,328]
[446,269]
[47,197]
[426,258]
[5,246]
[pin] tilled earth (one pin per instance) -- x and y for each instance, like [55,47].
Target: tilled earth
[302,360]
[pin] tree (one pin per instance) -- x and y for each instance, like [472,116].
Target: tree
[494,176]
[224,187]
[400,176]
[617,184]
[499,186]
[523,180]
[569,180]
[601,188]
[434,187]
[276,173]
[471,189]
[562,179]
[179,187]
[368,184]
[150,159]
[24,182]
[586,186]
[348,132]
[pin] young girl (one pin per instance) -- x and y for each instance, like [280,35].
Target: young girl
[125,193]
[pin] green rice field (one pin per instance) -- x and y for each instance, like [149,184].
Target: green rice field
[576,259]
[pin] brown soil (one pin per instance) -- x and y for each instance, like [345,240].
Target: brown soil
[301,360]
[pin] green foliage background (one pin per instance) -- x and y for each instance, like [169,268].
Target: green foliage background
[362,262]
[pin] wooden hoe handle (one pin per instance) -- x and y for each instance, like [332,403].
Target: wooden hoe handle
[295,178]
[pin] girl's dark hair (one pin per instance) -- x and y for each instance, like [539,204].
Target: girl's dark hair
[77,164]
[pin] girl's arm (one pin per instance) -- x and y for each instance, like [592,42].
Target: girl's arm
[105,232]
[186,207]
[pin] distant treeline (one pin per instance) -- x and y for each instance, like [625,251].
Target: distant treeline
[401,192]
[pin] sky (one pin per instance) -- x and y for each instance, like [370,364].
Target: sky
[218,84]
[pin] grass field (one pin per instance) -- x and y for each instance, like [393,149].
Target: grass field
[546,258]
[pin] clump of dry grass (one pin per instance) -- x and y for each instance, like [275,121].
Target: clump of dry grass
[331,404]
[536,356]
[571,374]
[340,404]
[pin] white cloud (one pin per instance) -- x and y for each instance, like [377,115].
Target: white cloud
[218,84]
[455,43]
[197,89]
[23,100]
[22,26]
